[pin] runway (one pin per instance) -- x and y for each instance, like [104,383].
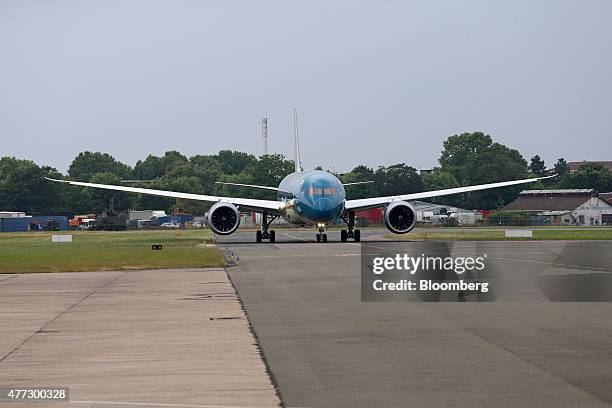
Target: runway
[326,348]
[179,338]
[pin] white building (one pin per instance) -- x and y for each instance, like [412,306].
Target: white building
[429,213]
[12,214]
[564,207]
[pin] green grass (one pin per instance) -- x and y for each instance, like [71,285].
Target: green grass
[499,235]
[97,251]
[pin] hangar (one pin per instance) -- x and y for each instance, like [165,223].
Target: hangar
[564,207]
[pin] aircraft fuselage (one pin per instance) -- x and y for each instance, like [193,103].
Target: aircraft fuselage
[311,197]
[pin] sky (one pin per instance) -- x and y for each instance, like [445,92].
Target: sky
[374,82]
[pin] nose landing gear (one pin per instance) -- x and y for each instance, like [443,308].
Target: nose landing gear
[351,233]
[321,236]
[265,234]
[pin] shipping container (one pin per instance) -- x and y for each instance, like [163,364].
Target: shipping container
[49,222]
[21,224]
[177,219]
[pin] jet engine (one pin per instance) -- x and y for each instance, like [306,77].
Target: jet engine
[223,218]
[400,217]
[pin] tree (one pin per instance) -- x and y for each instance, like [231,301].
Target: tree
[473,158]
[100,199]
[460,149]
[155,167]
[233,162]
[537,166]
[441,180]
[270,169]
[589,175]
[150,202]
[561,168]
[358,174]
[23,187]
[86,164]
[397,179]
[172,158]
[151,168]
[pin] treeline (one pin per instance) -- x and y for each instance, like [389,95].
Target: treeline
[466,159]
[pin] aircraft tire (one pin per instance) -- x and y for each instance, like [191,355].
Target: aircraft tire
[343,235]
[318,237]
[324,237]
[258,236]
[357,235]
[272,236]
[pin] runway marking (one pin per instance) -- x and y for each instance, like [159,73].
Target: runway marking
[551,263]
[294,237]
[158,404]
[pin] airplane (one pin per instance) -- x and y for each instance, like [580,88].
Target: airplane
[315,198]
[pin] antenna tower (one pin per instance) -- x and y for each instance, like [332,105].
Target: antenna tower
[264,133]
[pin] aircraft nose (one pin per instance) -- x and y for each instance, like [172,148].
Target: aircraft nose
[323,204]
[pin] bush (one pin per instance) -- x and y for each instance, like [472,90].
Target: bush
[512,218]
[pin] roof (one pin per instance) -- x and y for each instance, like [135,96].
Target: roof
[572,191]
[554,213]
[573,166]
[425,206]
[606,197]
[546,203]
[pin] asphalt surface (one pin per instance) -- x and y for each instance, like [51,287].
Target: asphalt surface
[326,348]
[157,338]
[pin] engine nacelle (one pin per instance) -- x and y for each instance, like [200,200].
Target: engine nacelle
[400,217]
[223,218]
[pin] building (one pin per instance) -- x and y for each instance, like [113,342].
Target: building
[145,215]
[607,197]
[12,214]
[429,213]
[24,223]
[564,207]
[574,166]
[426,213]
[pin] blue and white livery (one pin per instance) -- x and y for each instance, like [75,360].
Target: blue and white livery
[316,198]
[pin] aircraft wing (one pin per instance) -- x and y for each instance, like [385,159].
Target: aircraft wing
[242,203]
[365,203]
[247,185]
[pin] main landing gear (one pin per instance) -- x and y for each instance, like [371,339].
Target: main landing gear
[351,233]
[265,234]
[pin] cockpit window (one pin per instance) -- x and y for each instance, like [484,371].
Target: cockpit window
[321,191]
[329,191]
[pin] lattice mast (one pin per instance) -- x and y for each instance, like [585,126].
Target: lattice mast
[264,133]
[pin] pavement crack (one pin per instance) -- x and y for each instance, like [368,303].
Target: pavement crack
[44,326]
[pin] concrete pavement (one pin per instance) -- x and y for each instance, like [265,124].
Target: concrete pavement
[138,338]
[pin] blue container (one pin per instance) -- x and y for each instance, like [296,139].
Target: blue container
[15,224]
[179,219]
[43,220]
[161,220]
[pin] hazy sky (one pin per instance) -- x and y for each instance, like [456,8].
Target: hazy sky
[375,82]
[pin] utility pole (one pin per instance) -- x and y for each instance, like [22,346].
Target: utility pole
[264,133]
